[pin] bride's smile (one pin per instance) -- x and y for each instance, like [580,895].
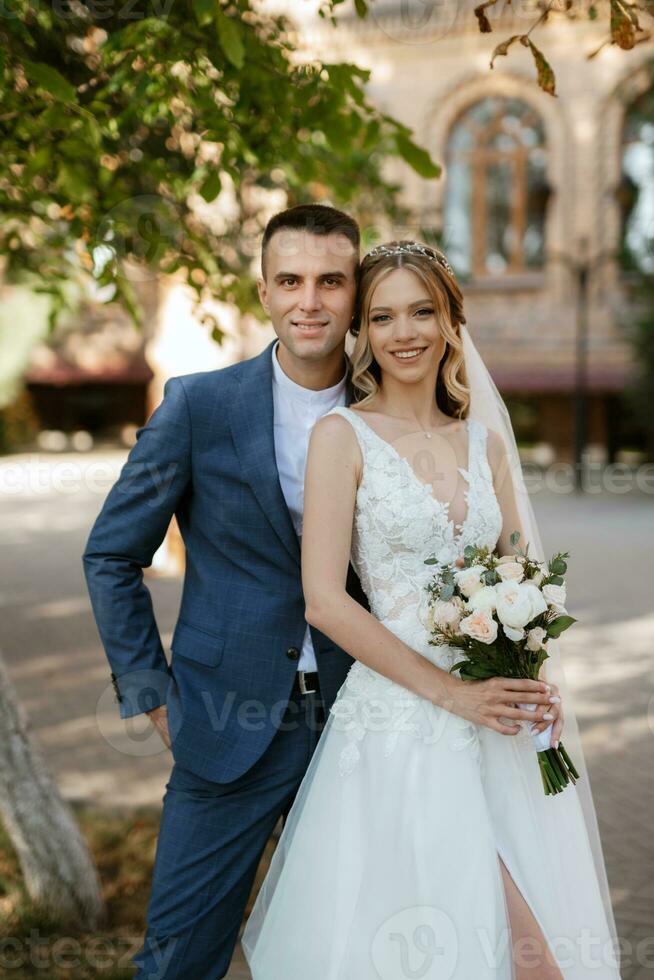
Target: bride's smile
[405,337]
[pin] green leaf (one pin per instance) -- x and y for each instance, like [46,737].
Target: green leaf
[203,10]
[558,625]
[515,537]
[416,156]
[361,8]
[431,561]
[229,35]
[211,187]
[559,567]
[47,78]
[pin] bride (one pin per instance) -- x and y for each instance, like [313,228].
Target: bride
[420,843]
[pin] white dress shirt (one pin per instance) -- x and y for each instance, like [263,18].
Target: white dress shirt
[296,411]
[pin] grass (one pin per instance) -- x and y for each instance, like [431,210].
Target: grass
[33,945]
[123,844]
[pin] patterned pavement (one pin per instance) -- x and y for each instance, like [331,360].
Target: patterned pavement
[51,647]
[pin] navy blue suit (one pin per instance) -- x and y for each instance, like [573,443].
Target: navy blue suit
[239,745]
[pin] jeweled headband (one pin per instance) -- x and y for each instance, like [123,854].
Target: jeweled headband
[411,248]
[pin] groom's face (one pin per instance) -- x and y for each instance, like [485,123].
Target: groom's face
[308,290]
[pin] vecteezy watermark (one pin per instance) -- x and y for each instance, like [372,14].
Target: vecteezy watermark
[142,229]
[414,21]
[94,11]
[49,953]
[219,714]
[416,943]
[39,474]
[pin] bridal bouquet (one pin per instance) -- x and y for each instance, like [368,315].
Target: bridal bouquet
[501,612]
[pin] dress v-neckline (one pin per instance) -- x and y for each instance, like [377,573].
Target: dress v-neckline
[444,504]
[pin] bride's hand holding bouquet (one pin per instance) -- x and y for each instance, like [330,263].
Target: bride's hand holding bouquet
[501,612]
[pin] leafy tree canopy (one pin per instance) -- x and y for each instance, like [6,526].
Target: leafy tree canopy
[123,122]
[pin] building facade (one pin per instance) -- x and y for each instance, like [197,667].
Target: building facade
[537,193]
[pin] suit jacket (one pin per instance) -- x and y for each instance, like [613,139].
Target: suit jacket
[207,455]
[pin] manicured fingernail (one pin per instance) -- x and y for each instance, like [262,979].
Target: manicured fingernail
[548,717]
[556,744]
[547,687]
[554,699]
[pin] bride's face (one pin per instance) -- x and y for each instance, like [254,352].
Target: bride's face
[403,331]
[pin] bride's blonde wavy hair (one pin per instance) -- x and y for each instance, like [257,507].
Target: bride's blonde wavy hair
[452,389]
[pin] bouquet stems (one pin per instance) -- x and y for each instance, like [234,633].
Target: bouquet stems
[556,767]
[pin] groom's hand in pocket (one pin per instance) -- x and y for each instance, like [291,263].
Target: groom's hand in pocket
[159,718]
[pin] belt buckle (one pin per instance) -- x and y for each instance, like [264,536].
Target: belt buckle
[303,684]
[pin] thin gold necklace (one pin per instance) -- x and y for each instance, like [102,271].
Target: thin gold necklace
[400,418]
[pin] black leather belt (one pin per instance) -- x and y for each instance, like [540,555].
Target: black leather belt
[306,682]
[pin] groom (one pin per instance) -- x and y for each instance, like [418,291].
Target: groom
[245,696]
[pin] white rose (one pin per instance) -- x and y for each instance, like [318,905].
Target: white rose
[469,579]
[535,638]
[505,559]
[510,571]
[513,634]
[536,597]
[447,614]
[555,596]
[484,598]
[480,625]
[514,607]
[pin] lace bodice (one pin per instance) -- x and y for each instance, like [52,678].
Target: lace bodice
[398,522]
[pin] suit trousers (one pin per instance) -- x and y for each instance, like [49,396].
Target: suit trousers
[211,839]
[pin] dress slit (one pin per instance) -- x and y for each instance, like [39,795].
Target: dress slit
[529,904]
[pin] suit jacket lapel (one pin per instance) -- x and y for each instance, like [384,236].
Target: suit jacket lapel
[252,425]
[251,421]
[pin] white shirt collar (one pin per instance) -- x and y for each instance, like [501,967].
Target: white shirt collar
[299,392]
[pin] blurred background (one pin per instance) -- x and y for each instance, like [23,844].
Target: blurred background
[143,156]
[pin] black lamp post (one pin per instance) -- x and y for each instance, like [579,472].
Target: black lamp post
[582,268]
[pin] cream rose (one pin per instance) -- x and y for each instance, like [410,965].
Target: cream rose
[512,634]
[447,614]
[480,625]
[535,637]
[469,579]
[510,571]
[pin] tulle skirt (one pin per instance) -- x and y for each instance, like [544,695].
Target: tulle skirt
[388,864]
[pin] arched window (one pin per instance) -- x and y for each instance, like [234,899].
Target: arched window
[496,189]
[636,190]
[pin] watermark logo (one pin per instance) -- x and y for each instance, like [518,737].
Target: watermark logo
[417,943]
[415,21]
[137,234]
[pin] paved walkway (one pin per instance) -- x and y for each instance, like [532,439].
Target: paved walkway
[51,646]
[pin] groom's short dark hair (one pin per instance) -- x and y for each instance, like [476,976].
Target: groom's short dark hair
[318,219]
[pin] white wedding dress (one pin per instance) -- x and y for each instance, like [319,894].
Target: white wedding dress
[387,866]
